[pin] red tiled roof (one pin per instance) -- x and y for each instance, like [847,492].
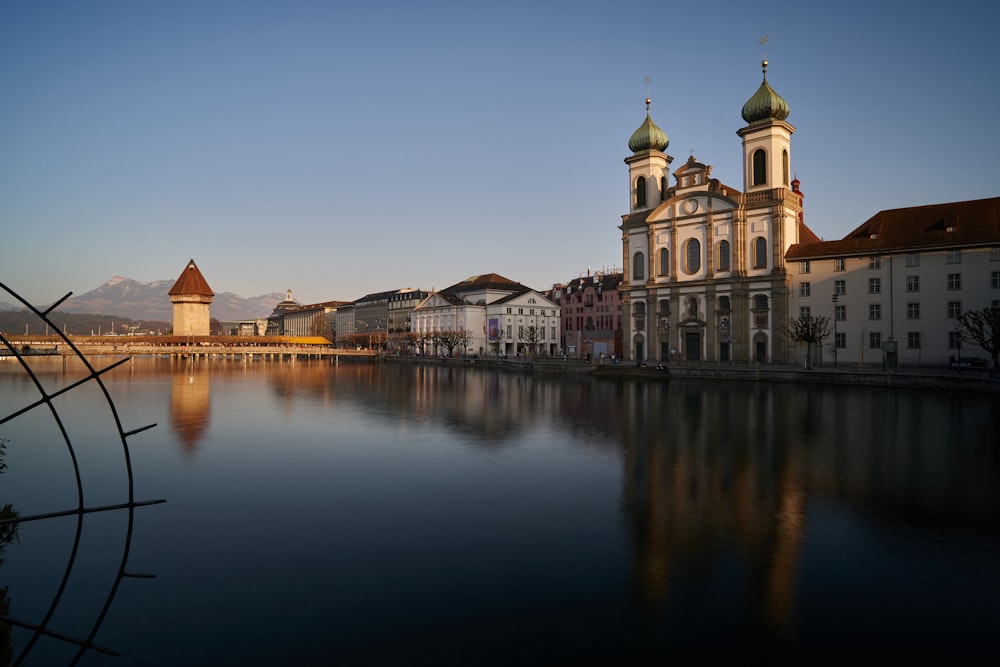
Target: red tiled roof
[807,235]
[966,223]
[484,281]
[191,282]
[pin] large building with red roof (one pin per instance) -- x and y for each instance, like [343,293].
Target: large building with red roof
[895,285]
[499,315]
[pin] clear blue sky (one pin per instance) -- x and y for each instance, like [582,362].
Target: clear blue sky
[338,149]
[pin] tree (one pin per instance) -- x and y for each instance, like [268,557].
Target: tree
[983,328]
[496,339]
[809,330]
[452,338]
[422,339]
[530,336]
[320,326]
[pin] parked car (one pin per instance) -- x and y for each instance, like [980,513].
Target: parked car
[968,362]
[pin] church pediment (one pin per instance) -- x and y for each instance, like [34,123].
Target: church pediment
[692,203]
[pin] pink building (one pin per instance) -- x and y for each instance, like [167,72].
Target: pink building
[591,315]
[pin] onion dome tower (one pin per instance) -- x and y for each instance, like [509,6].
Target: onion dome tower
[191,297]
[766,139]
[765,105]
[648,164]
[648,136]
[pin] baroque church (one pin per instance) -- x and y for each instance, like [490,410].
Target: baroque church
[704,263]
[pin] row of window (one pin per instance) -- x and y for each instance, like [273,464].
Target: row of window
[521,332]
[875,311]
[913,340]
[912,259]
[691,254]
[912,284]
[607,323]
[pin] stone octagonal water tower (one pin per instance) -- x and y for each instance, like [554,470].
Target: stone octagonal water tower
[191,297]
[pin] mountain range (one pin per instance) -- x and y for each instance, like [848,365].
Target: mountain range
[124,297]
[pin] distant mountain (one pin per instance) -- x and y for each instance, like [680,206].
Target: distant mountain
[150,301]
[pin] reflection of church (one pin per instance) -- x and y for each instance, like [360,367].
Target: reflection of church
[692,500]
[704,262]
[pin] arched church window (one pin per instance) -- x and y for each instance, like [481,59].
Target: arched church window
[664,261]
[692,256]
[760,253]
[759,167]
[640,308]
[760,302]
[638,262]
[663,188]
[664,306]
[784,167]
[724,304]
[723,260]
[640,192]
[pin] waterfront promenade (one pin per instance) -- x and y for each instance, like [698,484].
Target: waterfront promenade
[920,377]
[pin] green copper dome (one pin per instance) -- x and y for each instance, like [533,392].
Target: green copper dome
[765,104]
[649,136]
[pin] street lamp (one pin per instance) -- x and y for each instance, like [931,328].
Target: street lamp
[958,361]
[835,330]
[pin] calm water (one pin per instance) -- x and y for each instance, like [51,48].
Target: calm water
[370,515]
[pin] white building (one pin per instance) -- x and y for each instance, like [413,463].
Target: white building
[894,286]
[500,315]
[705,275]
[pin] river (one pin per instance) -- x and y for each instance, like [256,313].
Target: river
[384,514]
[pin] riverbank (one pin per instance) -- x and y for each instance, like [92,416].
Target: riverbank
[977,380]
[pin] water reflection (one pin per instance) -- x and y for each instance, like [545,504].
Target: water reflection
[634,521]
[189,403]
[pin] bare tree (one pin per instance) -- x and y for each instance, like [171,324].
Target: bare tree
[530,336]
[809,330]
[982,327]
[320,326]
[405,340]
[497,339]
[421,339]
[453,338]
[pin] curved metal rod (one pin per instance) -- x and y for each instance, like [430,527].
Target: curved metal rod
[46,398]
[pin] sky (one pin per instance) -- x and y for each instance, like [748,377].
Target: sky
[339,149]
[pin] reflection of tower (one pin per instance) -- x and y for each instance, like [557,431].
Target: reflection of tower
[189,407]
[694,493]
[191,297]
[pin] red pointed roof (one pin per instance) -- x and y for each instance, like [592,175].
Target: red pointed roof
[191,283]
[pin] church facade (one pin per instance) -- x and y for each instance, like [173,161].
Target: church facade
[705,276]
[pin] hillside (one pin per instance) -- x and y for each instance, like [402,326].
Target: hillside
[139,301]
